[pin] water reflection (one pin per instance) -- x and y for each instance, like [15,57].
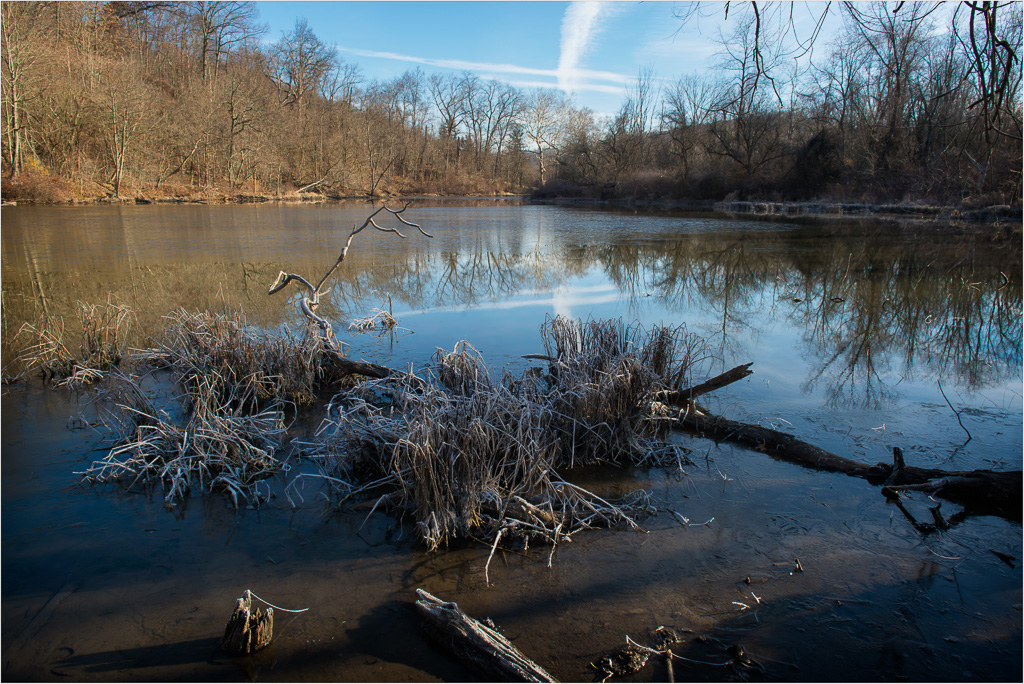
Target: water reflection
[868,308]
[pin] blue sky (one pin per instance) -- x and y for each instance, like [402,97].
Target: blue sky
[591,49]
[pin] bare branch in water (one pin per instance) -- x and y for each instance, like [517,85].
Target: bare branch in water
[309,304]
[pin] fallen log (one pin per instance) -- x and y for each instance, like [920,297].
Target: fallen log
[351,367]
[475,644]
[979,491]
[717,382]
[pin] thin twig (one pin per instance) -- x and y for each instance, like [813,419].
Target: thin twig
[955,412]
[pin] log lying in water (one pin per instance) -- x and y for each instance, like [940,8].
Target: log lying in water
[979,491]
[352,367]
[475,644]
[719,381]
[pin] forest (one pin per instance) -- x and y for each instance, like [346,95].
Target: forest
[906,102]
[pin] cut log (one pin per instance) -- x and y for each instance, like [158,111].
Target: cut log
[249,629]
[475,644]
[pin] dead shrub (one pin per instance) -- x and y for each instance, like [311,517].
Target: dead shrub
[473,459]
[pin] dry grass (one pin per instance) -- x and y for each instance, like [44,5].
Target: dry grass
[215,448]
[241,362]
[467,456]
[102,345]
[235,384]
[380,320]
[471,458]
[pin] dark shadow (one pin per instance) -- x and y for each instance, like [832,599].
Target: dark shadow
[143,661]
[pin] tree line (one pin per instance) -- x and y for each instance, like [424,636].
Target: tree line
[906,101]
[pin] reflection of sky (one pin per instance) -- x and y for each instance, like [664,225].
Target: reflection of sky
[493,272]
[560,301]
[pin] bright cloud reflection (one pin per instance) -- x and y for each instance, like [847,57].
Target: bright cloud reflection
[560,301]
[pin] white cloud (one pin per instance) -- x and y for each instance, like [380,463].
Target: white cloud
[607,81]
[581,25]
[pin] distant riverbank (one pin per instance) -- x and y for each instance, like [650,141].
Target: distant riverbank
[815,210]
[811,210]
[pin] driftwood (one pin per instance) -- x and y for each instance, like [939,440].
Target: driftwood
[249,629]
[979,491]
[719,381]
[475,644]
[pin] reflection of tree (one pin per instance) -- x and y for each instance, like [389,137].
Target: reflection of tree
[869,307]
[863,302]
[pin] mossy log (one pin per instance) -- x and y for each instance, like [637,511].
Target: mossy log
[249,629]
[475,644]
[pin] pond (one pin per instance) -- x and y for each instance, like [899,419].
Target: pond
[863,336]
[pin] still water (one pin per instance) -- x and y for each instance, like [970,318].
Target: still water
[850,328]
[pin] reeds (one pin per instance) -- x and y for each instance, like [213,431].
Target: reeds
[473,459]
[215,448]
[467,456]
[103,344]
[240,361]
[380,320]
[234,386]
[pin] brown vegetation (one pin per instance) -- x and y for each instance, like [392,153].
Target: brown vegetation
[182,101]
[472,458]
[903,107]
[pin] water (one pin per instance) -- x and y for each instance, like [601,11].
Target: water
[851,329]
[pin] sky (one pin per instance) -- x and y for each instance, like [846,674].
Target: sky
[593,50]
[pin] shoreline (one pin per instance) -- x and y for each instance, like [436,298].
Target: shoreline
[766,210]
[815,211]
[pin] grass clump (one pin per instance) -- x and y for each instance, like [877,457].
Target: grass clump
[235,385]
[102,344]
[241,362]
[471,458]
[215,447]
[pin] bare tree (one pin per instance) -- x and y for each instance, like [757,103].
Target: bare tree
[301,64]
[450,102]
[745,124]
[21,83]
[686,110]
[124,108]
[544,121]
[221,25]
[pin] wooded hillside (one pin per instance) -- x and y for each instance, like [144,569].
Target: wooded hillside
[908,102]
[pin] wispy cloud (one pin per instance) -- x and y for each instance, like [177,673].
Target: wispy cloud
[581,24]
[457,64]
[587,79]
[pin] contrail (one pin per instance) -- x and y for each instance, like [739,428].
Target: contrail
[578,28]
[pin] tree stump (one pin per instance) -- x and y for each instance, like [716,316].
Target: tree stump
[249,629]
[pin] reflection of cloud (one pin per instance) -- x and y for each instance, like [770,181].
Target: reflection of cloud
[560,301]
